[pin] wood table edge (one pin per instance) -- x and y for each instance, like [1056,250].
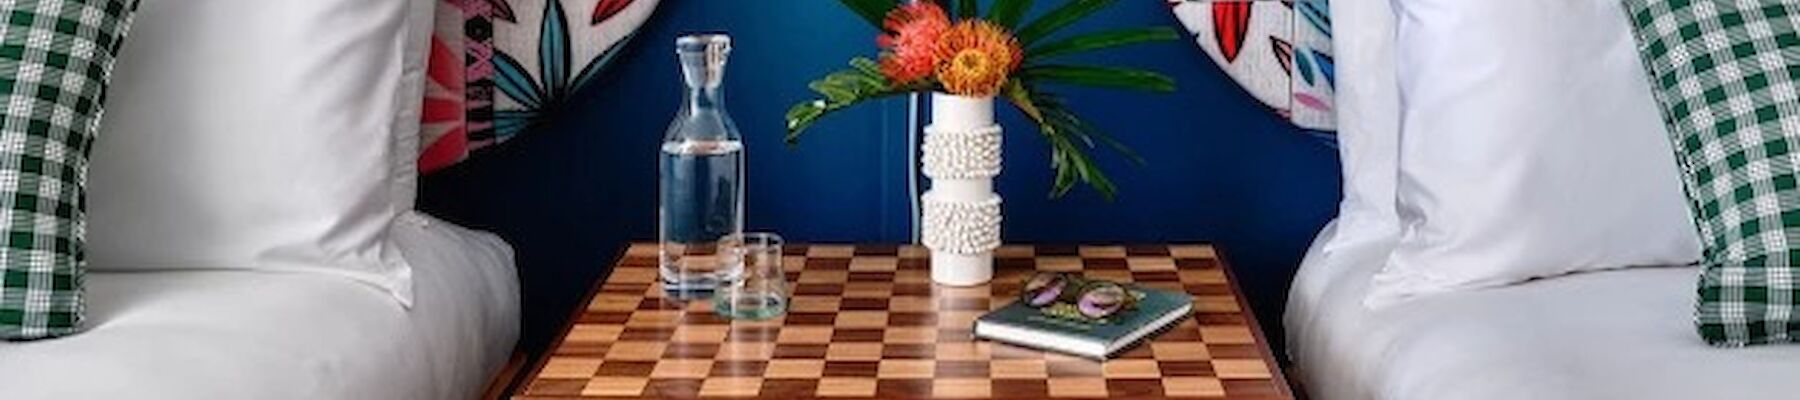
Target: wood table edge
[1267,347]
[536,366]
[500,385]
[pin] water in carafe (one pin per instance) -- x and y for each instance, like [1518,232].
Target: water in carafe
[701,195]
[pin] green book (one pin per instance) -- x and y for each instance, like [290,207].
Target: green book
[1028,326]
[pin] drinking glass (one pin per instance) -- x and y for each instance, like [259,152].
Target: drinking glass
[760,292]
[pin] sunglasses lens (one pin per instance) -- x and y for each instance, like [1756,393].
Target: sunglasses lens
[1102,300]
[1043,289]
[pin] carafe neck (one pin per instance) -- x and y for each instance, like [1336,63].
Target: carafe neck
[702,100]
[703,69]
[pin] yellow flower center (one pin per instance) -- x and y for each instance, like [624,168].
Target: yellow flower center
[975,58]
[973,62]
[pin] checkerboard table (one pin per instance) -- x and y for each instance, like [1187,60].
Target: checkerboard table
[866,322]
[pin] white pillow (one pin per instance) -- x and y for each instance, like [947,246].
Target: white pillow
[1530,147]
[1368,120]
[269,134]
[1368,102]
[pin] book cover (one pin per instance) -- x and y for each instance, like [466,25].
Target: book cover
[1022,324]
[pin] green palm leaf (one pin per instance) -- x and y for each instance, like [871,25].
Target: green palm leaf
[1101,40]
[1007,13]
[873,11]
[1089,134]
[841,89]
[1112,77]
[1069,159]
[1078,166]
[1071,139]
[966,8]
[1061,17]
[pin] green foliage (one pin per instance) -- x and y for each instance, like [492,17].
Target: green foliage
[1073,10]
[967,8]
[873,11]
[1007,13]
[844,88]
[1071,139]
[1101,40]
[1108,77]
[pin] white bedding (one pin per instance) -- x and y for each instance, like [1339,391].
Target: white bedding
[1625,334]
[272,335]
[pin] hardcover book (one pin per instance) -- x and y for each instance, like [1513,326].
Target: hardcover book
[1100,339]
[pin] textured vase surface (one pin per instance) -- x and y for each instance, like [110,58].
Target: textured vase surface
[961,221]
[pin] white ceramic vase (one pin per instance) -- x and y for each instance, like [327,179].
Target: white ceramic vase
[961,212]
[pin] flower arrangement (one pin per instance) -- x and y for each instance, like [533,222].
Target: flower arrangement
[925,48]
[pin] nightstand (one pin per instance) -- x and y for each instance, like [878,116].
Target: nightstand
[865,321]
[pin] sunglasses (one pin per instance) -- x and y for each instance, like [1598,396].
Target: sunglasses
[1056,292]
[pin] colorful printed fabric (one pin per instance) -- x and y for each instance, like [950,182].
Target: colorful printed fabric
[56,59]
[1725,73]
[459,86]
[522,59]
[1278,50]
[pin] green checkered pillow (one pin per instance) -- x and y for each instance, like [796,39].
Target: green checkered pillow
[1727,73]
[55,58]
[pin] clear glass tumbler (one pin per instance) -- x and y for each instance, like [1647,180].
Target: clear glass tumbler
[761,292]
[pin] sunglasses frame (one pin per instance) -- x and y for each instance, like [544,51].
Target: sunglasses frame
[1066,304]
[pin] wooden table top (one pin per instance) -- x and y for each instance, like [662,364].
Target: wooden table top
[866,321]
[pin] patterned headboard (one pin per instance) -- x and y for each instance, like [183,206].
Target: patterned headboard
[1278,50]
[488,76]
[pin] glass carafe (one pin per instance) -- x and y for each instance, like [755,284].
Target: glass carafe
[701,195]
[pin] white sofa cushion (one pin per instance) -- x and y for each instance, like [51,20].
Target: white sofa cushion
[1368,100]
[1529,147]
[272,134]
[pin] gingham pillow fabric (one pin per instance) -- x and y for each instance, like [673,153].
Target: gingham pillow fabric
[1727,74]
[55,59]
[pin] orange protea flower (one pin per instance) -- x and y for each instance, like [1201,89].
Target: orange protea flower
[912,42]
[977,58]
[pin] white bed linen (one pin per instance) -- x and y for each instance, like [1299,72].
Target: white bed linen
[1625,334]
[235,334]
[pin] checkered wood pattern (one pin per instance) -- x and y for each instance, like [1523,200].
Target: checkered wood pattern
[866,322]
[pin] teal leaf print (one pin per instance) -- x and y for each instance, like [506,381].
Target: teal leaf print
[517,84]
[1317,15]
[1303,65]
[600,64]
[553,49]
[1327,66]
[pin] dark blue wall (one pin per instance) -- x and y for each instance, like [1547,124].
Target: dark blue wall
[569,193]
